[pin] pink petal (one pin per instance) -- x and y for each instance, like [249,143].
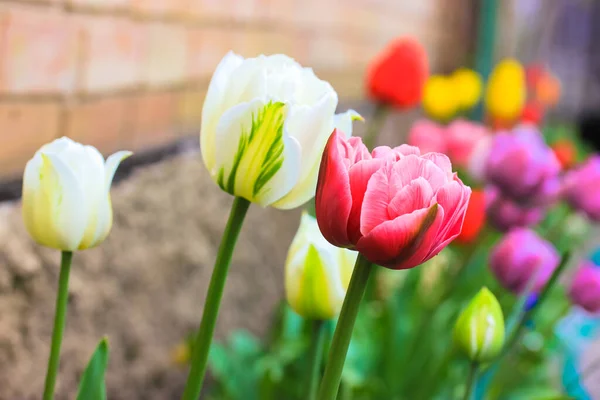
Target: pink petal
[333,199]
[356,150]
[360,173]
[403,242]
[374,210]
[415,196]
[442,161]
[412,167]
[406,150]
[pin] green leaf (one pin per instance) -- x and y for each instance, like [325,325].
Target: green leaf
[92,386]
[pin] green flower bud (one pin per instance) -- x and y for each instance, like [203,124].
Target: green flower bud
[479,330]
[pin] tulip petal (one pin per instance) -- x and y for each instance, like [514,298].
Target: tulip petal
[374,208]
[415,196]
[411,167]
[403,242]
[333,200]
[360,174]
[343,121]
[256,158]
[454,199]
[53,203]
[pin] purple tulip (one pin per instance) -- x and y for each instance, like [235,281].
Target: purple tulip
[585,288]
[523,167]
[504,214]
[582,188]
[521,256]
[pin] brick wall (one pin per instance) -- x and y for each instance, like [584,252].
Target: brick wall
[132,74]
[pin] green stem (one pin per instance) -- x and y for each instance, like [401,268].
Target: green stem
[471,380]
[316,357]
[343,330]
[201,347]
[436,378]
[59,324]
[530,314]
[374,127]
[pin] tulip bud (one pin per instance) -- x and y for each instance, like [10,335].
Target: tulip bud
[479,330]
[439,98]
[317,273]
[66,199]
[585,288]
[265,122]
[468,86]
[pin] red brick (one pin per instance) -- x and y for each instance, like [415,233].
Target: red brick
[189,110]
[206,47]
[101,123]
[155,119]
[165,55]
[112,53]
[24,128]
[40,51]
[161,7]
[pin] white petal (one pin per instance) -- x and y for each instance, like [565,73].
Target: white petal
[112,163]
[343,121]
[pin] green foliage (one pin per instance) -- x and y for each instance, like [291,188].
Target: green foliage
[92,385]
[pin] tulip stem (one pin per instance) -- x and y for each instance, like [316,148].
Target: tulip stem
[201,347]
[471,380]
[374,127]
[343,331]
[316,357]
[62,298]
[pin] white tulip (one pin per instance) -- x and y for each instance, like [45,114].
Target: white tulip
[66,199]
[317,273]
[265,123]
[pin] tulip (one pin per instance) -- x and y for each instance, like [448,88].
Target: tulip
[316,273]
[565,152]
[265,122]
[439,98]
[397,75]
[506,91]
[585,288]
[547,89]
[522,256]
[468,86]
[66,199]
[474,218]
[533,113]
[427,136]
[504,214]
[479,329]
[523,167]
[395,206]
[462,139]
[476,166]
[582,188]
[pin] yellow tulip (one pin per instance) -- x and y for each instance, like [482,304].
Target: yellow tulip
[468,86]
[506,91]
[317,273]
[440,100]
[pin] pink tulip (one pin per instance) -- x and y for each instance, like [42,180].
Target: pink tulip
[521,256]
[585,288]
[582,188]
[462,138]
[397,207]
[427,136]
[504,214]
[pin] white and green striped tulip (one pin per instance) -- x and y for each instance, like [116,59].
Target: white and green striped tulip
[265,123]
[317,273]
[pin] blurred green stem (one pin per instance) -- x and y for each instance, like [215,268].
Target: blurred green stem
[343,331]
[59,324]
[438,376]
[375,125]
[316,357]
[201,347]
[471,380]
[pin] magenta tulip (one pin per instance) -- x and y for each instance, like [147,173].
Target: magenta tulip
[582,188]
[504,214]
[521,256]
[523,167]
[427,136]
[585,288]
[395,206]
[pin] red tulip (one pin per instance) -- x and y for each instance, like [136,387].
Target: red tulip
[532,113]
[474,219]
[566,153]
[395,206]
[398,74]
